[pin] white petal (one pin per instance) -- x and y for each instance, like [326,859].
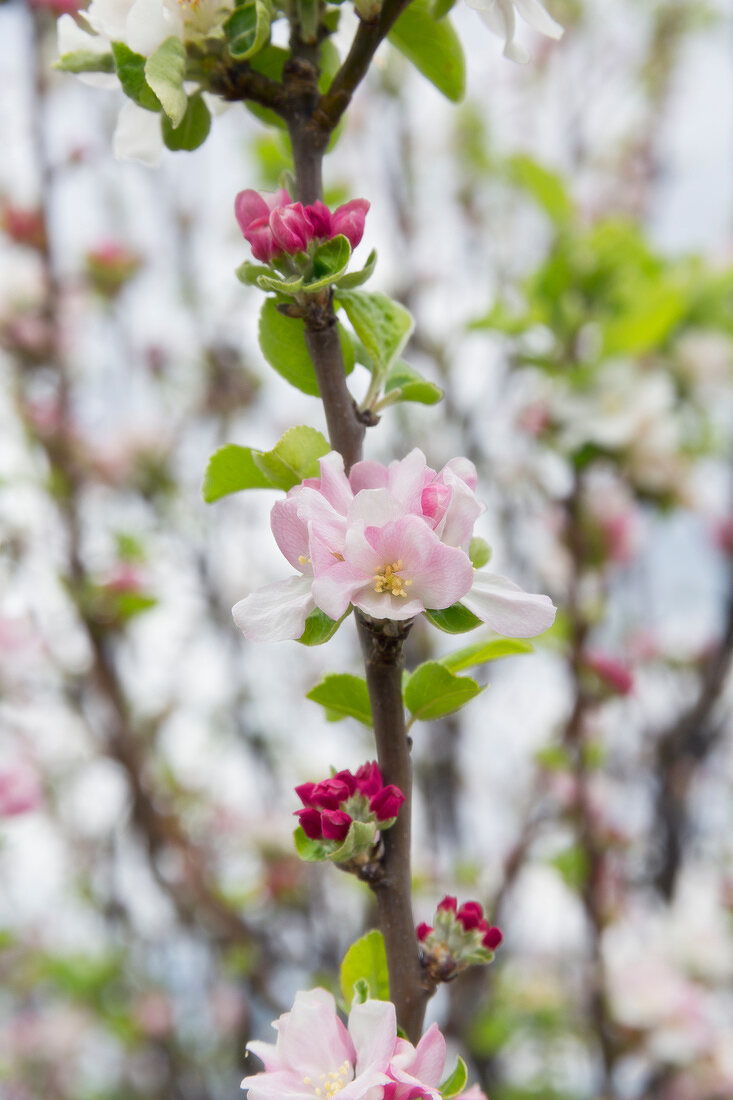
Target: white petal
[538,18]
[138,136]
[276,612]
[108,17]
[149,23]
[507,608]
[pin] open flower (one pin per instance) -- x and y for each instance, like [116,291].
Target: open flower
[316,1056]
[500,16]
[390,540]
[416,1071]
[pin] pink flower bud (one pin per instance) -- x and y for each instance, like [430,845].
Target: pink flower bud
[349,220]
[448,904]
[310,823]
[252,211]
[291,227]
[492,938]
[423,930]
[470,915]
[320,218]
[386,803]
[335,824]
[261,240]
[434,502]
[329,794]
[349,780]
[305,793]
[614,674]
[369,779]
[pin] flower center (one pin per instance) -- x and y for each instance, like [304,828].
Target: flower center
[388,581]
[329,1084]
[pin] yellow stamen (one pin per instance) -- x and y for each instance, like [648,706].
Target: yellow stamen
[388,581]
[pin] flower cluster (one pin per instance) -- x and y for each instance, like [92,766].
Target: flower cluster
[392,541]
[317,1056]
[459,938]
[332,805]
[274,224]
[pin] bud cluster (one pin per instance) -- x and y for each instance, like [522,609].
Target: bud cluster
[459,938]
[276,226]
[333,806]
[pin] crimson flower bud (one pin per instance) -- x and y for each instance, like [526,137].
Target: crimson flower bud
[305,793]
[310,822]
[291,227]
[448,904]
[320,218]
[329,793]
[369,779]
[492,938]
[348,780]
[386,803]
[349,220]
[423,931]
[470,915]
[335,824]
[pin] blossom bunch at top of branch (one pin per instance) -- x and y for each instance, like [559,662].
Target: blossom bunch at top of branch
[317,1056]
[274,224]
[392,541]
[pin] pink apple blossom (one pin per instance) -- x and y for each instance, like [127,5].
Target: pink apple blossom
[332,804]
[417,1071]
[316,1056]
[390,540]
[273,224]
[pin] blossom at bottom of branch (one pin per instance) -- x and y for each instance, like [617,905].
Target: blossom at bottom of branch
[458,938]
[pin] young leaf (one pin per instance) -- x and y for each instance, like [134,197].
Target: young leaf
[383,326]
[312,851]
[355,278]
[330,260]
[248,29]
[411,385]
[294,457]
[546,188]
[479,552]
[345,694]
[231,469]
[165,71]
[85,61]
[480,653]
[453,620]
[319,629]
[456,1083]
[432,691]
[359,838]
[280,286]
[433,47]
[193,129]
[366,961]
[249,273]
[282,341]
[130,68]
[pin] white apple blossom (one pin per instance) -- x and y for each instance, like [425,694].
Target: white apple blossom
[500,16]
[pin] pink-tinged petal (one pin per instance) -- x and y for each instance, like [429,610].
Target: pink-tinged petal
[260,238]
[373,1028]
[323,557]
[473,1093]
[333,590]
[267,1053]
[359,552]
[276,612]
[320,218]
[383,605]
[322,518]
[349,220]
[434,503]
[507,608]
[462,468]
[430,1055]
[464,508]
[334,484]
[291,227]
[311,1038]
[280,1085]
[369,1085]
[374,508]
[291,533]
[274,199]
[368,475]
[407,479]
[249,206]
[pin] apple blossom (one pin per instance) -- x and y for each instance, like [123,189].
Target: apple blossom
[458,938]
[332,804]
[500,17]
[274,224]
[417,1071]
[390,540]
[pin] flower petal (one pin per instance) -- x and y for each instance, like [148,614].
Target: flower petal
[334,589]
[312,1040]
[538,18]
[277,612]
[507,608]
[138,135]
[291,533]
[373,1028]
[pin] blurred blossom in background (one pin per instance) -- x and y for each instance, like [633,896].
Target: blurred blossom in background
[563,239]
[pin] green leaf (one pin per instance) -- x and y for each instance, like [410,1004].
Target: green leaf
[312,851]
[165,71]
[319,628]
[194,128]
[480,653]
[248,29]
[345,694]
[656,309]
[366,961]
[383,326]
[479,552]
[359,839]
[249,273]
[293,458]
[130,68]
[355,278]
[547,188]
[442,7]
[330,260]
[282,340]
[85,61]
[411,386]
[433,47]
[280,286]
[433,691]
[231,469]
[573,867]
[453,620]
[456,1083]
